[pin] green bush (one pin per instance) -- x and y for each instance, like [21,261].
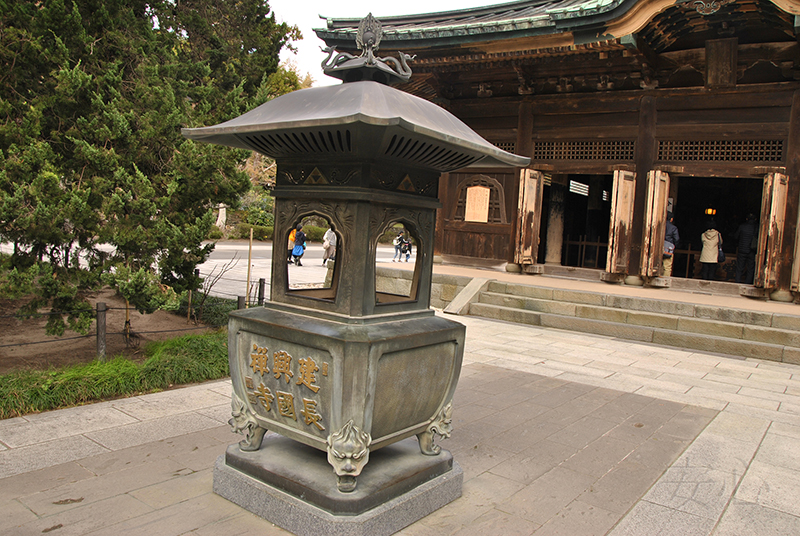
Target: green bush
[212,311]
[259,232]
[188,359]
[390,234]
[214,233]
[313,233]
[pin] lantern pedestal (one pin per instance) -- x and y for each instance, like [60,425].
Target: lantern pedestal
[291,486]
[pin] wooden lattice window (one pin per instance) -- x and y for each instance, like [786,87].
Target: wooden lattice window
[584,150]
[497,203]
[721,151]
[508,146]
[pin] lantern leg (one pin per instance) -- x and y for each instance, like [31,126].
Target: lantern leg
[244,422]
[348,453]
[441,425]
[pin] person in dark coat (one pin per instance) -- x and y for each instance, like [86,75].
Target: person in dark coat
[671,239]
[747,237]
[299,245]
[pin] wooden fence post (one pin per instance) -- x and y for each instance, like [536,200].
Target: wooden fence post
[101,331]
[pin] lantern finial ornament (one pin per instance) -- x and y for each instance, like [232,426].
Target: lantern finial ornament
[367,66]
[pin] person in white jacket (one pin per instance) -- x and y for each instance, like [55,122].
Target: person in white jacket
[329,246]
[709,256]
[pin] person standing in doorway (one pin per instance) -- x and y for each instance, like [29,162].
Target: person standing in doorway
[709,256]
[671,239]
[747,237]
[328,245]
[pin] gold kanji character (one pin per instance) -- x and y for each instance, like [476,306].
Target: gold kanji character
[258,360]
[310,413]
[286,404]
[307,377]
[265,396]
[282,365]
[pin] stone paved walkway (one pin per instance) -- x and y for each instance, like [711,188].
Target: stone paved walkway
[557,432]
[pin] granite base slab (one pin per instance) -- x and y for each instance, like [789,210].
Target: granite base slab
[294,487]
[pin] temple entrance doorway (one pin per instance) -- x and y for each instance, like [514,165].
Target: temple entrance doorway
[727,201]
[581,206]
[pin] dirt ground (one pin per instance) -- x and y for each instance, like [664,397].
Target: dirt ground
[16,352]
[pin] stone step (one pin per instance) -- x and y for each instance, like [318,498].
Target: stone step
[687,324]
[650,305]
[649,334]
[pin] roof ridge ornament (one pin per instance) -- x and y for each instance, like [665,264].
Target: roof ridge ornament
[367,66]
[709,7]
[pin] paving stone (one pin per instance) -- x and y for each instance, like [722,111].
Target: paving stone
[153,430]
[651,519]
[599,457]
[33,457]
[109,462]
[687,424]
[497,522]
[718,452]
[533,462]
[87,518]
[653,320]
[579,518]
[63,423]
[582,432]
[548,495]
[620,488]
[479,458]
[176,519]
[771,486]
[490,489]
[734,397]
[530,433]
[14,516]
[244,523]
[41,480]
[170,403]
[175,490]
[780,451]
[99,488]
[699,491]
[748,519]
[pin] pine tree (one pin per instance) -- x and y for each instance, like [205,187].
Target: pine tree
[93,95]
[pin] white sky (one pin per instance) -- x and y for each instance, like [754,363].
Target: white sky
[305,15]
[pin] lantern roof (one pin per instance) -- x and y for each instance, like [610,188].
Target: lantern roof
[362,120]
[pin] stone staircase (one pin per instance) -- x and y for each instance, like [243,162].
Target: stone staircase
[738,332]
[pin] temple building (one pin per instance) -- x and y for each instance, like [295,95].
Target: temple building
[629,109]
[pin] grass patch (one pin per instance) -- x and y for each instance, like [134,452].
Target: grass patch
[187,359]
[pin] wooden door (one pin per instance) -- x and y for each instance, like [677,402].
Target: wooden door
[531,185]
[770,232]
[655,221]
[619,233]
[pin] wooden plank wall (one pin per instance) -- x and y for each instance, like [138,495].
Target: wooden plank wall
[481,240]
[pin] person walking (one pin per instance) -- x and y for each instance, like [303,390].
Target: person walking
[709,256]
[299,245]
[405,248]
[397,243]
[328,246]
[671,239]
[291,244]
[747,237]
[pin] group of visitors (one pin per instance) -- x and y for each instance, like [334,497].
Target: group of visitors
[711,256]
[402,246]
[297,246]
